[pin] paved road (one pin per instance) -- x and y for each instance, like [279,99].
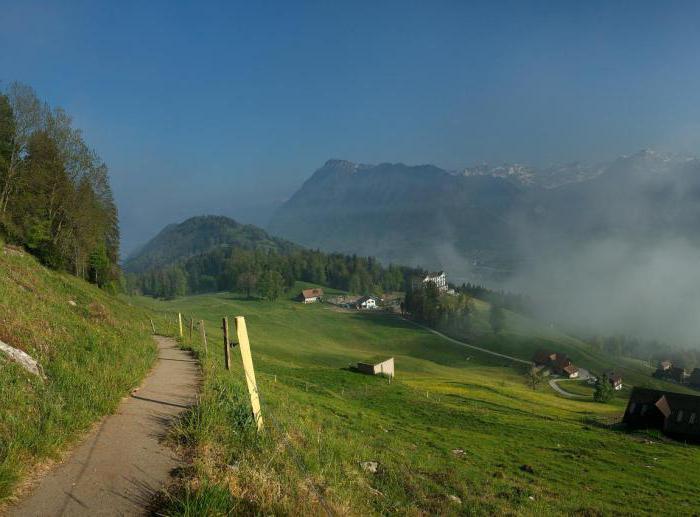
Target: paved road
[583,374]
[117,468]
[461,343]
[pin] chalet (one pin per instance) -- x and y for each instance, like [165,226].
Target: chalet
[676,414]
[439,279]
[366,302]
[310,295]
[694,379]
[557,363]
[615,380]
[384,367]
[665,365]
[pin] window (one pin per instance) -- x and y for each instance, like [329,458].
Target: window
[679,418]
[633,406]
[692,418]
[644,409]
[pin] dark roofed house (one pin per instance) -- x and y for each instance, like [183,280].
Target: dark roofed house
[676,414]
[677,374]
[694,379]
[559,363]
[615,380]
[544,358]
[310,295]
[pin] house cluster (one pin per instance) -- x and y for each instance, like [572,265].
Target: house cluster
[556,363]
[667,371]
[438,278]
[348,302]
[676,414]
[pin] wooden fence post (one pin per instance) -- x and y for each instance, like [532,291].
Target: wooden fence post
[204,336]
[153,326]
[244,344]
[227,348]
[179,321]
[191,326]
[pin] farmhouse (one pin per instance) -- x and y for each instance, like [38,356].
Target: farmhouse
[310,295]
[673,373]
[557,363]
[694,379]
[366,302]
[385,367]
[676,414]
[615,380]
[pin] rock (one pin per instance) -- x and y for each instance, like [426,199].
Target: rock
[23,359]
[454,499]
[72,303]
[531,498]
[458,452]
[370,466]
[527,468]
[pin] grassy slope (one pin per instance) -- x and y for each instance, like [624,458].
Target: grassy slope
[323,420]
[92,354]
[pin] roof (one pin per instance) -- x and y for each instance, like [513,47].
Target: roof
[376,360]
[671,400]
[312,293]
[542,357]
[561,361]
[365,298]
[570,369]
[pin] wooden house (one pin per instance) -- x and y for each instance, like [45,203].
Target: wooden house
[676,414]
[310,295]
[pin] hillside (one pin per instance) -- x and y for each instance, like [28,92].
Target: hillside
[93,349]
[198,235]
[486,223]
[456,432]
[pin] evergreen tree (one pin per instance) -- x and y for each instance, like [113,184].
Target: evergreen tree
[604,391]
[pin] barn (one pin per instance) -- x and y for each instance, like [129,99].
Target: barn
[676,414]
[310,295]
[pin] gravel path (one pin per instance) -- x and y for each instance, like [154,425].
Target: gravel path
[121,463]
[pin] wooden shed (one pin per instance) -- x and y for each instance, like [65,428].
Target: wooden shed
[381,367]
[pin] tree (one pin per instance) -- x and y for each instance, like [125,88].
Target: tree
[534,378]
[271,285]
[497,318]
[247,281]
[604,391]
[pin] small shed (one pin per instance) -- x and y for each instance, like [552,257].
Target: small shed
[380,367]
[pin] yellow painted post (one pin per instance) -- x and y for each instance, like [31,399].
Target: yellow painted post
[227,347]
[244,345]
[179,321]
[204,336]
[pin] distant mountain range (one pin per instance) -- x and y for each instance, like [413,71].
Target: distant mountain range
[198,235]
[484,222]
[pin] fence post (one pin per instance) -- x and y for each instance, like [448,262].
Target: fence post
[204,337]
[244,344]
[153,326]
[227,348]
[191,326]
[179,322]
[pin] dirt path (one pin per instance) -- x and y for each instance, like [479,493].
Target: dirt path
[116,469]
[554,383]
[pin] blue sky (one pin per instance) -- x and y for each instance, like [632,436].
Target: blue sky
[227,107]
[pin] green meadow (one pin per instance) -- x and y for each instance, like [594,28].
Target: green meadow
[456,432]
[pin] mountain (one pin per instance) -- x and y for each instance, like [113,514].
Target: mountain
[413,215]
[485,222]
[199,235]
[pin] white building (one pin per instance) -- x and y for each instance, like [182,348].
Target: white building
[366,302]
[439,279]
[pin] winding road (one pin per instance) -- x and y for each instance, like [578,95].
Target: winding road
[118,467]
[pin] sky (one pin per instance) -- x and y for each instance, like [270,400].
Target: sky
[227,107]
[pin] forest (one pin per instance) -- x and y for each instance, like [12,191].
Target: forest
[55,196]
[268,273]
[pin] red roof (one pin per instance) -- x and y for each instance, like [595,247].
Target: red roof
[311,293]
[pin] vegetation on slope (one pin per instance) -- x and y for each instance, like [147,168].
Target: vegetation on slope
[93,349]
[55,197]
[456,432]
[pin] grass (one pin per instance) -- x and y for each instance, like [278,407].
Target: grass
[92,353]
[456,432]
